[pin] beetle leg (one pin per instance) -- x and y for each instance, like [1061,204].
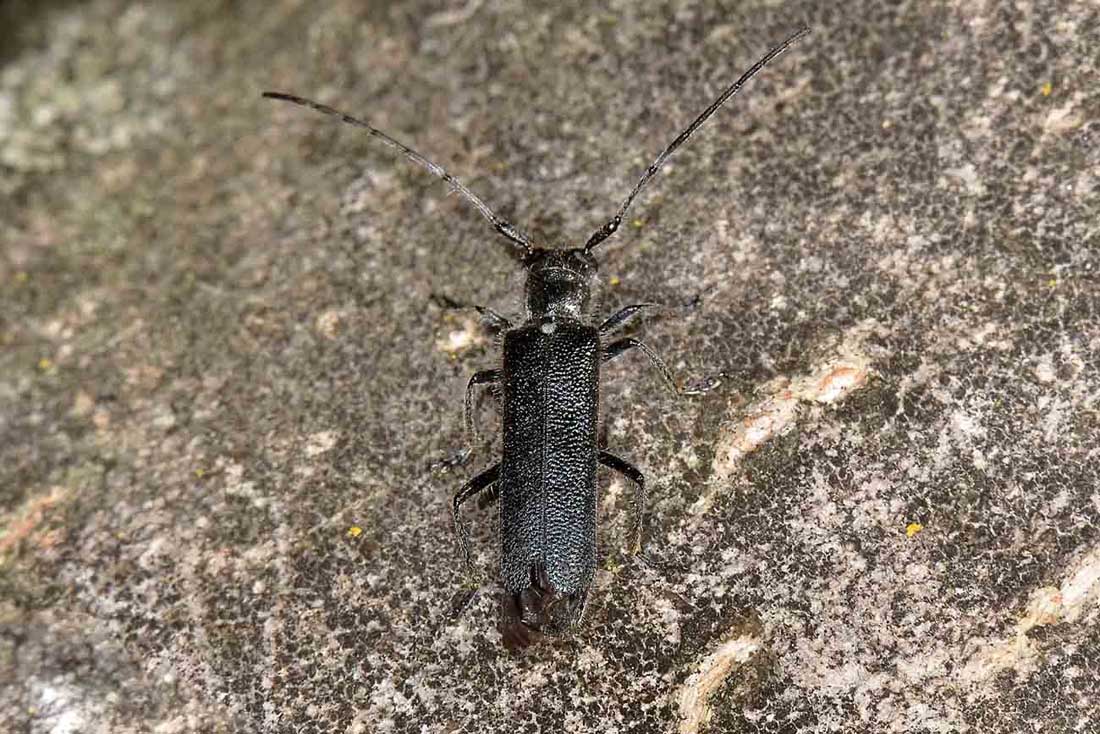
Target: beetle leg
[490,319]
[484,377]
[469,489]
[458,458]
[622,317]
[631,472]
[492,494]
[462,601]
[619,346]
[705,385]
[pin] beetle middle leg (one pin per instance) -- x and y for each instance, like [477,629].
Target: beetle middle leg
[699,387]
[634,474]
[621,318]
[484,377]
[469,489]
[459,458]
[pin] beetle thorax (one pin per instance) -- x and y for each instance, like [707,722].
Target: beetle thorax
[559,283]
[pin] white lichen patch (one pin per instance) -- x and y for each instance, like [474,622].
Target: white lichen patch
[459,340]
[1044,370]
[328,322]
[1064,118]
[236,485]
[968,176]
[459,638]
[321,442]
[669,617]
[711,673]
[63,708]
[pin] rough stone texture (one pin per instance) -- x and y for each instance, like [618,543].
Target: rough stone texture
[222,381]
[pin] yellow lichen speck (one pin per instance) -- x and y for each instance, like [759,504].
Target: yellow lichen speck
[1046,89]
[355,531]
[912,529]
[45,364]
[613,281]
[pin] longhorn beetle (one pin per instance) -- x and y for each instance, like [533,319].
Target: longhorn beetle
[549,381]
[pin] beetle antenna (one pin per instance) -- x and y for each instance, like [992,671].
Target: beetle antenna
[518,238]
[609,229]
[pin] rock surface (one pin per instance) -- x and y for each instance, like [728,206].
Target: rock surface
[223,379]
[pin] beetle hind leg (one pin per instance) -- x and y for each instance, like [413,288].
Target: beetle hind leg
[634,474]
[457,459]
[469,489]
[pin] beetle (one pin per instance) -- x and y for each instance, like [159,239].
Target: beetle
[549,384]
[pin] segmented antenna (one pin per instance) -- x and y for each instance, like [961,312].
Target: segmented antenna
[518,238]
[609,229]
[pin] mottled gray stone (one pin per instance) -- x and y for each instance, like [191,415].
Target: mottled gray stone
[222,381]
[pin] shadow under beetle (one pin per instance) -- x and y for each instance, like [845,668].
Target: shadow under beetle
[549,382]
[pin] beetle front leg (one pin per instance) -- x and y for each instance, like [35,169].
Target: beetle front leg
[493,322]
[621,318]
[631,472]
[469,489]
[615,348]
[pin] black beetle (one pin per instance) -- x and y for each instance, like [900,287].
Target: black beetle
[549,382]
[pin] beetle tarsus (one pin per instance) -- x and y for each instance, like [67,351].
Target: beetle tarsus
[704,384]
[462,601]
[457,459]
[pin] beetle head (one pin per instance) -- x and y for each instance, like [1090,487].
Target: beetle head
[559,282]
